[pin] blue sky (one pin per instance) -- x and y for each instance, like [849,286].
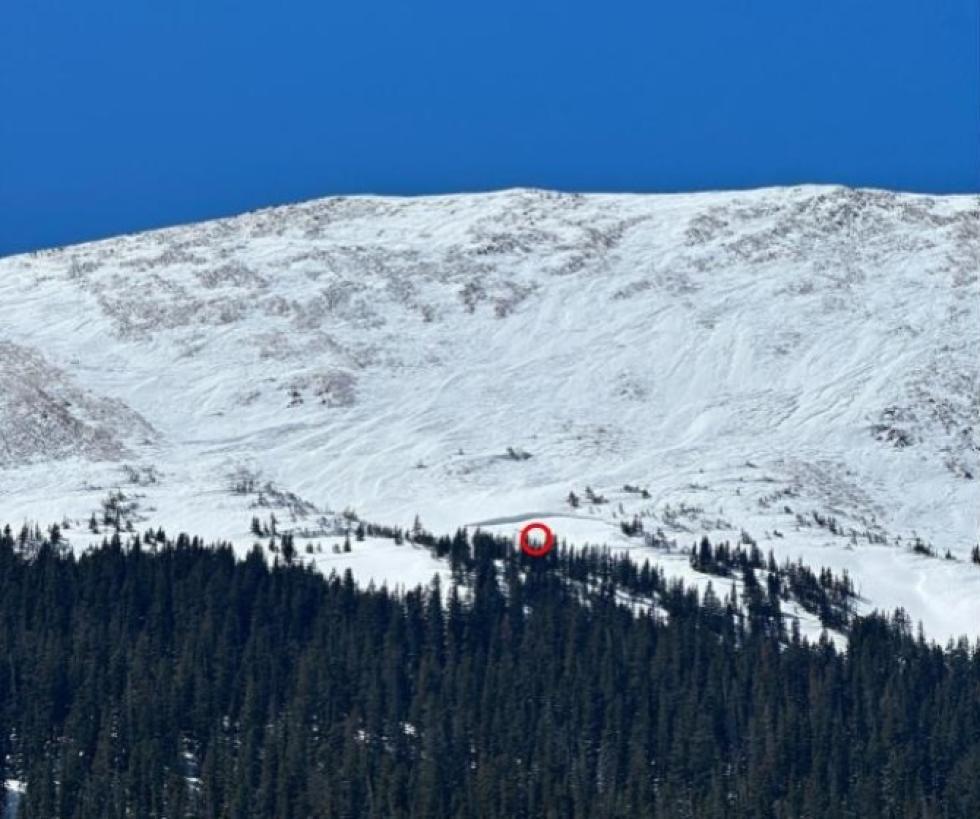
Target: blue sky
[120,115]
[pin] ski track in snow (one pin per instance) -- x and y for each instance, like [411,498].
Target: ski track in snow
[735,354]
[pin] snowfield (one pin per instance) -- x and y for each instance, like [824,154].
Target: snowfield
[800,364]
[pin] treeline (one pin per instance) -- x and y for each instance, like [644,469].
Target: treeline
[828,596]
[160,678]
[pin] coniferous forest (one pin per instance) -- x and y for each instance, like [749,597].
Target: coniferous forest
[163,678]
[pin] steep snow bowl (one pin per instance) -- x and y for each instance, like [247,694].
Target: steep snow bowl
[797,363]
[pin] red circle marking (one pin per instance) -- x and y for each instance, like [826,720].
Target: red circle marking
[537,551]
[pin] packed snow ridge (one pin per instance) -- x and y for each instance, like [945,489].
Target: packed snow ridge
[799,363]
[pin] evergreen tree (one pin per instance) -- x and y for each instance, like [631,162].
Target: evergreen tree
[182,681]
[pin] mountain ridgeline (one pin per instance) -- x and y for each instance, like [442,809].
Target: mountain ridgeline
[158,677]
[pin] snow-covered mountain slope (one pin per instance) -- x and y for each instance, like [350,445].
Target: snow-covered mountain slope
[799,363]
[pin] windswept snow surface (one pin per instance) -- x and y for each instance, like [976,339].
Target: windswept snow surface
[749,359]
